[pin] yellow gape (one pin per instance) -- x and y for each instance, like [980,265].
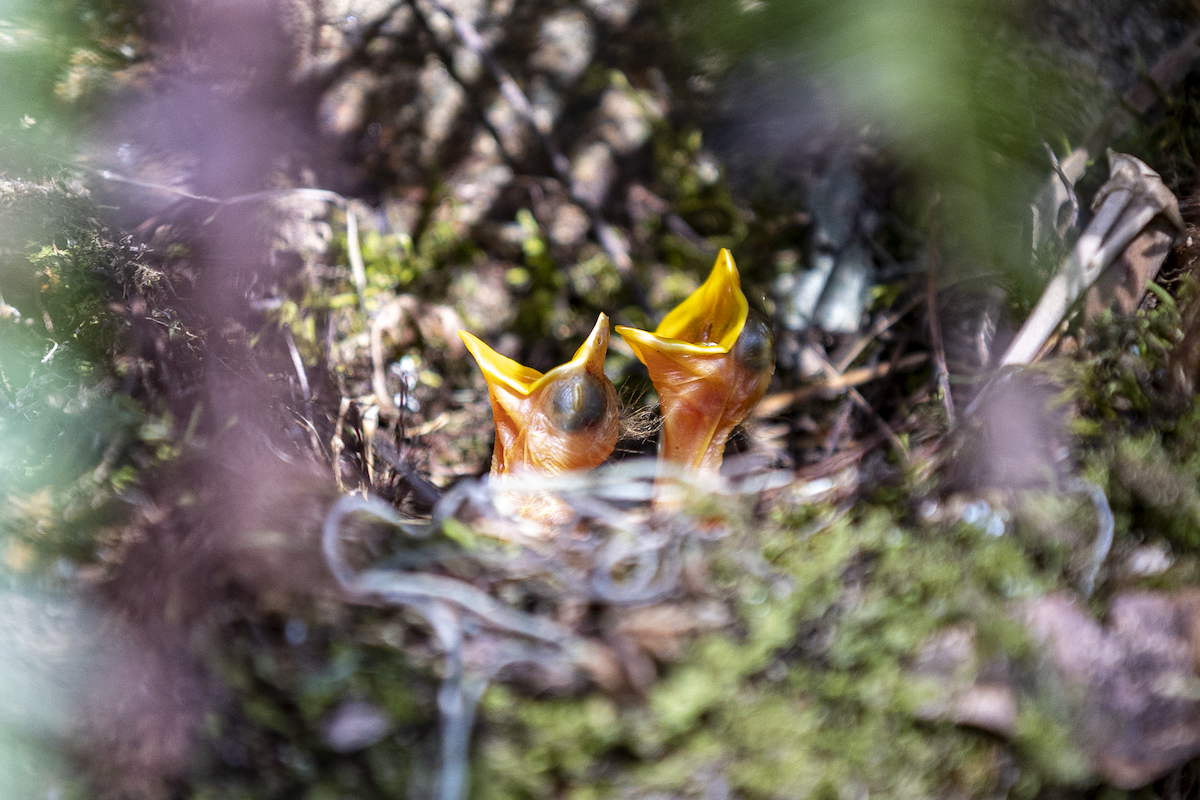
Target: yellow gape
[710,361]
[558,422]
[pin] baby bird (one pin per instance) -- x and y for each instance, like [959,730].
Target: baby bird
[710,360]
[549,424]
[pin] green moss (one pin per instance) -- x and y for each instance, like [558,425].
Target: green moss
[540,305]
[810,694]
[595,280]
[1043,738]
[1140,440]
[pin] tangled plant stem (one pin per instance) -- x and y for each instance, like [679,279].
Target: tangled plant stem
[613,534]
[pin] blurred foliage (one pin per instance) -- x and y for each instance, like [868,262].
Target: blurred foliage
[291,678]
[70,447]
[63,50]
[958,90]
[71,454]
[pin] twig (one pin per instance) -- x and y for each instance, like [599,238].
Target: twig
[1133,195]
[369,423]
[844,458]
[403,587]
[1105,524]
[442,601]
[268,194]
[860,401]
[881,324]
[302,376]
[1068,186]
[931,310]
[839,427]
[357,268]
[782,401]
[422,490]
[298,363]
[885,322]
[866,407]
[393,315]
[337,444]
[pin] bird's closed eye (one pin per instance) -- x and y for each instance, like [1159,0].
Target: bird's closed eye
[755,346]
[576,402]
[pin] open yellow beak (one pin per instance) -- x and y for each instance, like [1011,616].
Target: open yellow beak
[561,421]
[710,361]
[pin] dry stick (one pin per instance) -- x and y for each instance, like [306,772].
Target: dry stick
[778,403]
[357,268]
[337,444]
[1067,185]
[302,375]
[881,324]
[861,402]
[383,398]
[844,458]
[606,234]
[886,321]
[1133,195]
[266,194]
[887,429]
[839,427]
[935,325]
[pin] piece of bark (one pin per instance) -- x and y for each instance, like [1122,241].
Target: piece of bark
[1122,285]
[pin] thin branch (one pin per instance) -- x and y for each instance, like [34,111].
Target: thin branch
[354,252]
[931,310]
[860,401]
[881,324]
[778,403]
[302,375]
[883,425]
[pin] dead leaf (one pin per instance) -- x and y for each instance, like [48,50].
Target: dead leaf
[1122,285]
